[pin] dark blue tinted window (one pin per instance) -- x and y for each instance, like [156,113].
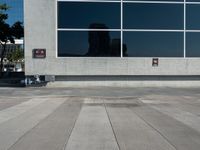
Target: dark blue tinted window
[85,14]
[89,44]
[192,0]
[193,17]
[153,44]
[153,16]
[157,0]
[193,44]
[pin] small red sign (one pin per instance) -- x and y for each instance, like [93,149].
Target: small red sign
[39,53]
[155,62]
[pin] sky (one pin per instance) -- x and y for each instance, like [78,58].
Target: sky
[15,13]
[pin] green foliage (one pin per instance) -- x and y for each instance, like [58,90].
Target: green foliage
[16,55]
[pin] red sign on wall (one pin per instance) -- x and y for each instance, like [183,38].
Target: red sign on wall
[155,62]
[39,53]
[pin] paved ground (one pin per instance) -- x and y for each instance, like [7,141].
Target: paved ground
[99,119]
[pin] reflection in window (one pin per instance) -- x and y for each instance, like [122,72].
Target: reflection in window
[88,44]
[193,45]
[82,14]
[153,16]
[193,17]
[154,44]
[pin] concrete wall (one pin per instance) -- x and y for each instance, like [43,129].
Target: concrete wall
[40,32]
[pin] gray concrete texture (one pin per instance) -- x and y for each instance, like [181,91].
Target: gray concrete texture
[40,32]
[99,119]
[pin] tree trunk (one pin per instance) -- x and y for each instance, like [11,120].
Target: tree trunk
[2,57]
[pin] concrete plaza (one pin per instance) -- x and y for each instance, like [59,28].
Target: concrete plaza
[99,119]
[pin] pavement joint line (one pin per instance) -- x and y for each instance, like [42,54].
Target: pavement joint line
[154,129]
[66,142]
[31,129]
[111,125]
[152,125]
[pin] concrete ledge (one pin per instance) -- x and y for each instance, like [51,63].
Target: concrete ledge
[124,84]
[125,81]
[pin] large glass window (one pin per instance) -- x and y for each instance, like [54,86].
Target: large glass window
[153,44]
[128,28]
[193,44]
[192,0]
[157,0]
[153,16]
[193,17]
[85,14]
[89,44]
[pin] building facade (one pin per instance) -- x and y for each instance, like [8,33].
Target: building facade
[113,38]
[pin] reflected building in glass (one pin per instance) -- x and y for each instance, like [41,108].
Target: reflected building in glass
[117,37]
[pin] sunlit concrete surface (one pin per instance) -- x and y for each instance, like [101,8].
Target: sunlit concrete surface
[100,118]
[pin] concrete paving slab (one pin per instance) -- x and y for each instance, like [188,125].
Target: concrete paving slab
[189,107]
[19,109]
[182,137]
[9,102]
[188,103]
[48,127]
[53,132]
[185,117]
[133,133]
[12,130]
[92,131]
[177,102]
